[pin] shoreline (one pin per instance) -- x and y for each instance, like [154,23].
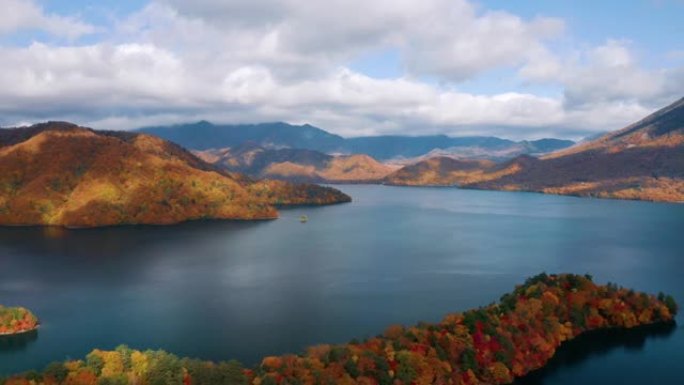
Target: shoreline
[20,332]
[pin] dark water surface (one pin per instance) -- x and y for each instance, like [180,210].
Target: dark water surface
[221,290]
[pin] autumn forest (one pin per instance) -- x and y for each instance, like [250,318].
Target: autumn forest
[490,345]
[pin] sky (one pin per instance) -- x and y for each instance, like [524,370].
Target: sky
[522,69]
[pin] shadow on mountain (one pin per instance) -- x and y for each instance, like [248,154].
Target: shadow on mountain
[597,343]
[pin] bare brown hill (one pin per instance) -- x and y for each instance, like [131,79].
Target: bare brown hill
[61,174]
[298,164]
[440,171]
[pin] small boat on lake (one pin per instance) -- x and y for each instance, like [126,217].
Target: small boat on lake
[303,218]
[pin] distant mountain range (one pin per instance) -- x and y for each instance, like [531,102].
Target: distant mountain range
[61,174]
[642,161]
[205,136]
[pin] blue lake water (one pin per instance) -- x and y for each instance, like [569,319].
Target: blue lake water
[222,290]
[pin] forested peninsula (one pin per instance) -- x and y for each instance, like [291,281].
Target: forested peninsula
[489,345]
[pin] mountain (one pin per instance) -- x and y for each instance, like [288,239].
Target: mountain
[58,173]
[389,147]
[478,147]
[297,164]
[204,136]
[440,171]
[643,161]
[495,153]
[546,145]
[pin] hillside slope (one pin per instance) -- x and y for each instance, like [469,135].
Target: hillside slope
[297,164]
[643,161]
[663,128]
[61,174]
[440,171]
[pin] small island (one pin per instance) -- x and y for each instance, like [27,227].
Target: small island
[491,345]
[16,320]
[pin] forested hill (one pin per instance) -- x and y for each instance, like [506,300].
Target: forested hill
[58,173]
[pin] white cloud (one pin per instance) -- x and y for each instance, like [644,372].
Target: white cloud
[466,45]
[101,75]
[251,61]
[611,73]
[20,15]
[606,86]
[450,39]
[100,83]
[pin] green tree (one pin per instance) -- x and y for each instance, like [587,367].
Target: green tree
[125,352]
[57,371]
[468,360]
[671,304]
[351,368]
[405,371]
[120,379]
[95,362]
[165,369]
[224,373]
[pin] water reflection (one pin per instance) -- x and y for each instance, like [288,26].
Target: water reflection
[594,344]
[32,258]
[16,342]
[116,242]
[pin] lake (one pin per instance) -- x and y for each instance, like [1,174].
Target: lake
[221,290]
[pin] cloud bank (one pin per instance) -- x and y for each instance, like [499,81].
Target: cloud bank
[293,60]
